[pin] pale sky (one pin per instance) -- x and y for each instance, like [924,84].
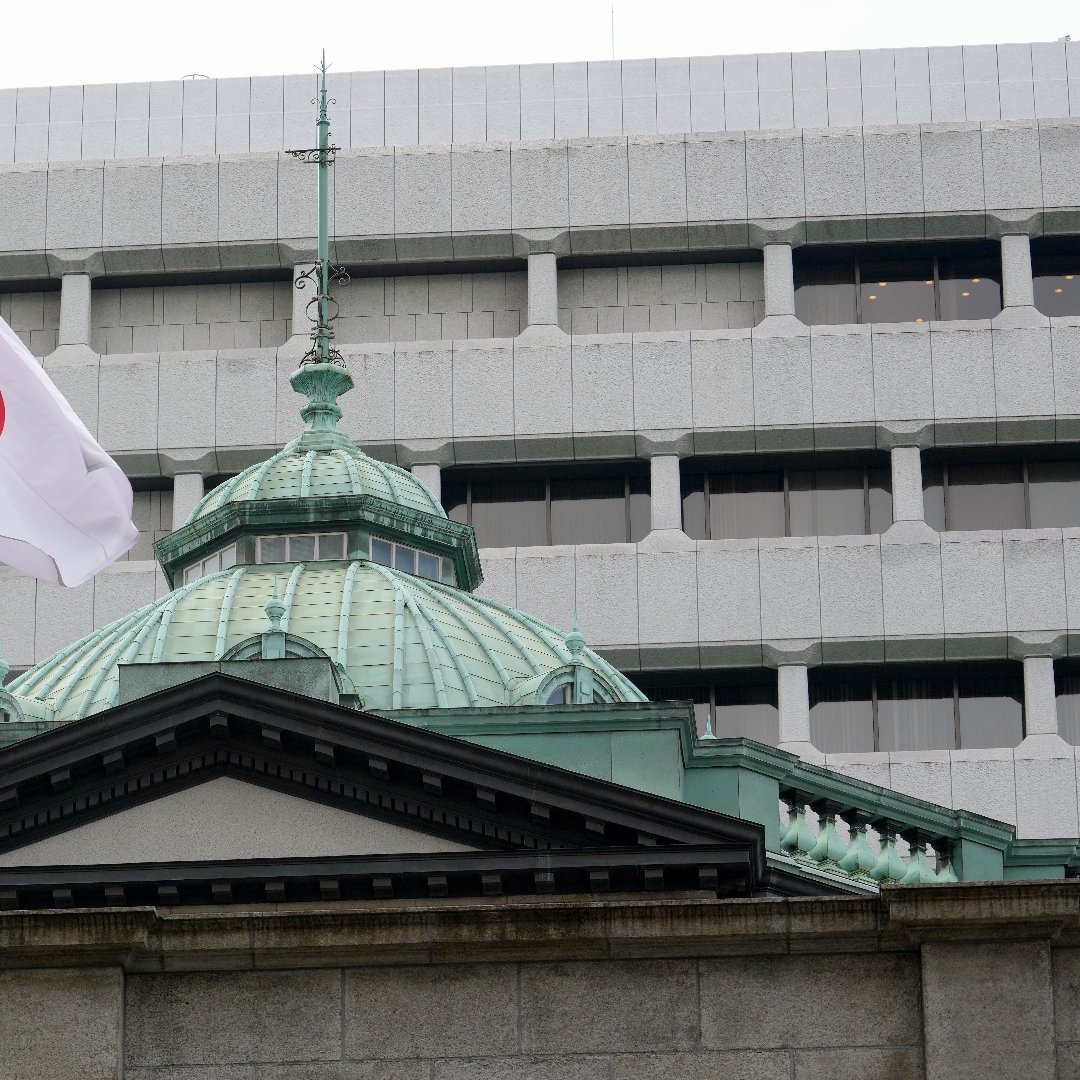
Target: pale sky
[55,42]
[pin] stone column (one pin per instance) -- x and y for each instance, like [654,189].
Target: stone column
[188,489]
[1017,287]
[75,310]
[907,493]
[432,476]
[665,489]
[793,698]
[909,515]
[543,289]
[779,280]
[1040,705]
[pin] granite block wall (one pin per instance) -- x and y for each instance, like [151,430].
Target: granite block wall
[632,299]
[176,318]
[433,307]
[35,317]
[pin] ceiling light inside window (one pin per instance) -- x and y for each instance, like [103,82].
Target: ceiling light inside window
[873,296]
[965,294]
[928,282]
[976,280]
[1069,277]
[1057,290]
[882,284]
[919,319]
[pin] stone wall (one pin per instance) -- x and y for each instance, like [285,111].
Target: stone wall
[633,299]
[912,985]
[175,318]
[34,316]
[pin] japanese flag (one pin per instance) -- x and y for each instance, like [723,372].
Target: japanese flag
[65,506]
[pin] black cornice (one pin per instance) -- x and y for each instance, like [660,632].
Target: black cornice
[506,806]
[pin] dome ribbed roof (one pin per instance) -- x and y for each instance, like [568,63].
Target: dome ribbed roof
[406,643]
[298,473]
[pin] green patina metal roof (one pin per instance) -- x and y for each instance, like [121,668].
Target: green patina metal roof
[406,643]
[300,473]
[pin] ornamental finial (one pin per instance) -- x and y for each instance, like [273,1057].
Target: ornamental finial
[275,610]
[575,642]
[322,273]
[322,385]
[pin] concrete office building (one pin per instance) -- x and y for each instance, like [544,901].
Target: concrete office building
[763,366]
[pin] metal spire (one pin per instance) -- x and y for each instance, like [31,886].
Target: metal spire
[322,273]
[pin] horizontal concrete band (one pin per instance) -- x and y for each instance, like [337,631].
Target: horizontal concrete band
[506,199]
[399,933]
[715,603]
[615,395]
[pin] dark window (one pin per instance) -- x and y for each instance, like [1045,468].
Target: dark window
[1067,680]
[522,508]
[734,505]
[1002,495]
[916,709]
[732,705]
[1055,266]
[911,283]
[411,560]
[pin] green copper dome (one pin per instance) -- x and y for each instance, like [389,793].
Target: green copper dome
[399,640]
[300,473]
[405,643]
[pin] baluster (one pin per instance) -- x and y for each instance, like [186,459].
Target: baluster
[919,870]
[859,859]
[889,865]
[830,847]
[946,870]
[799,838]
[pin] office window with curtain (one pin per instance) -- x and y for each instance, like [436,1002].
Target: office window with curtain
[600,503]
[1020,493]
[916,707]
[884,283]
[736,704]
[736,504]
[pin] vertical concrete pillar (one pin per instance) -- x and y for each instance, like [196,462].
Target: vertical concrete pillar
[907,493]
[543,289]
[188,489]
[988,1010]
[1040,699]
[75,310]
[665,489]
[430,475]
[779,280]
[793,698]
[1017,289]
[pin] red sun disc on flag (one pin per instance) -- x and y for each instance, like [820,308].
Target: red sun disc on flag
[1,414]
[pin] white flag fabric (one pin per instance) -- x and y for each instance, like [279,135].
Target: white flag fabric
[65,505]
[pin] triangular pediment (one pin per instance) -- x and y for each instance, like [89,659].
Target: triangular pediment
[225,790]
[226,819]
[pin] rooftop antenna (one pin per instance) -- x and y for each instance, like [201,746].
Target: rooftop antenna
[322,273]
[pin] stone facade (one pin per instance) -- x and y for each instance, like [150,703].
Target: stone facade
[912,985]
